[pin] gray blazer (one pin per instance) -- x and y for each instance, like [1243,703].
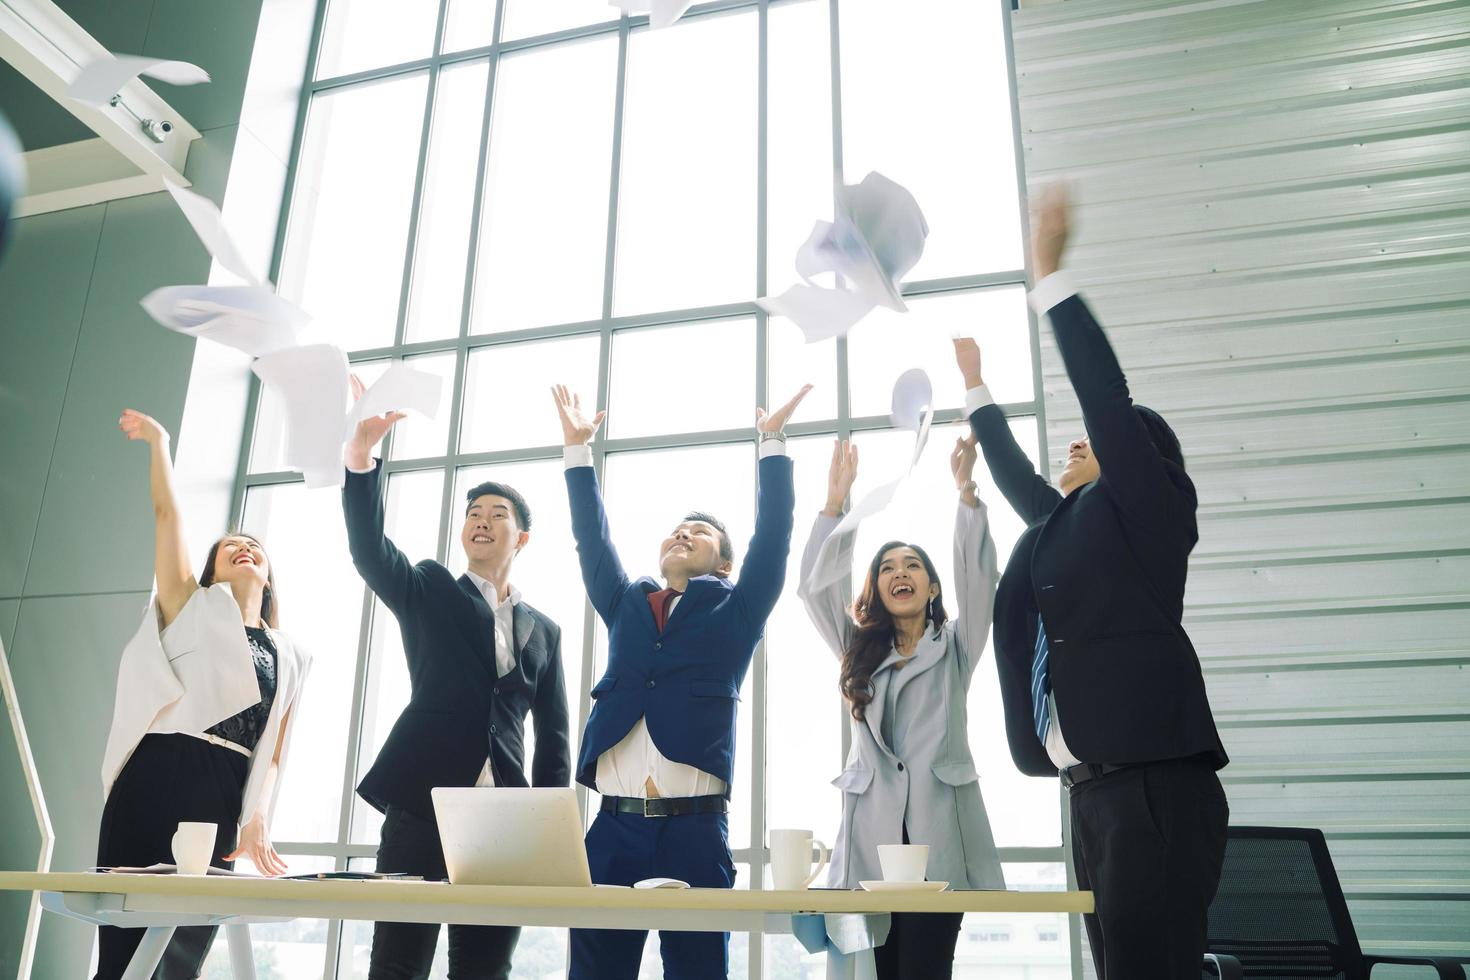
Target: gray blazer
[934,789]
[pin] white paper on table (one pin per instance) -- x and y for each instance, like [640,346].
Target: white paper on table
[205,219]
[661,13]
[248,318]
[400,388]
[876,237]
[311,382]
[100,80]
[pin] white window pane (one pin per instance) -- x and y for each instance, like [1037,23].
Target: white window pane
[925,101]
[436,298]
[647,494]
[343,259]
[1023,812]
[686,211]
[471,24]
[682,379]
[546,570]
[321,604]
[799,126]
[364,34]
[793,363]
[990,943]
[805,712]
[294,950]
[886,344]
[417,436]
[529,18]
[411,521]
[507,400]
[543,232]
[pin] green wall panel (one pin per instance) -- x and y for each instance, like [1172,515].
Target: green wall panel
[9,609]
[218,38]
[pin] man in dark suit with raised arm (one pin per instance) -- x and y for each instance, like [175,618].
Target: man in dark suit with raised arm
[1099,681]
[479,660]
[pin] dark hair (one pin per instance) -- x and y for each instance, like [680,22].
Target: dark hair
[727,553]
[874,636]
[523,512]
[1164,439]
[270,609]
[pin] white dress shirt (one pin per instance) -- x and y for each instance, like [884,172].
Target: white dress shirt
[505,647]
[1048,293]
[635,767]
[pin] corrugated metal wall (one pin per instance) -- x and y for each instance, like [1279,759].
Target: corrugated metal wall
[1274,225]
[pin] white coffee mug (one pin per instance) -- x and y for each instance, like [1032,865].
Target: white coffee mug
[193,846]
[791,859]
[903,862]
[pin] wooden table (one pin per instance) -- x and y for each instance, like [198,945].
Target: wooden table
[161,903]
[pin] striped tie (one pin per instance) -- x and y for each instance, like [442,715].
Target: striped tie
[1040,683]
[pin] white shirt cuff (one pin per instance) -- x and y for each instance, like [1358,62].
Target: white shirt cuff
[977,397]
[368,470]
[1052,290]
[580,455]
[772,447]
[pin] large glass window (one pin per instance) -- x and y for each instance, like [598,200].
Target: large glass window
[519,193]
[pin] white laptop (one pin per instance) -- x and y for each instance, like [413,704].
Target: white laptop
[507,835]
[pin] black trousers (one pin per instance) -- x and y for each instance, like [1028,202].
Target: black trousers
[405,950]
[169,779]
[1149,841]
[920,946]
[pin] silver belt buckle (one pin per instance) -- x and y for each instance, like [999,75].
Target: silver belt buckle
[647,801]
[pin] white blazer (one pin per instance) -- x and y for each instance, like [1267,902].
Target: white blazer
[194,674]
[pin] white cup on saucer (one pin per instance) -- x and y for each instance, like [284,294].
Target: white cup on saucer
[903,862]
[193,846]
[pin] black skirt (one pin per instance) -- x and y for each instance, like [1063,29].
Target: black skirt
[170,779]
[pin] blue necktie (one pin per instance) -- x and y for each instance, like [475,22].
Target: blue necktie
[1040,683]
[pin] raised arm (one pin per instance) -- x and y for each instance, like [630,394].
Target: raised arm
[826,564]
[552,763]
[602,571]
[763,572]
[1028,494]
[976,570]
[171,569]
[1130,463]
[386,570]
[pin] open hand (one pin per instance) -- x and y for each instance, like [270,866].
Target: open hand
[840,475]
[1050,226]
[370,431]
[967,357]
[136,425]
[776,421]
[576,428]
[255,844]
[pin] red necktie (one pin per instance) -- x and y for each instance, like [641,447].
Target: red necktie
[660,602]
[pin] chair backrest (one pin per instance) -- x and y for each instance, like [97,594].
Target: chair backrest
[1280,908]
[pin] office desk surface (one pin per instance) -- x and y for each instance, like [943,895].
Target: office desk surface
[138,900]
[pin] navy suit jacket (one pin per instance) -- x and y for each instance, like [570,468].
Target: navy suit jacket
[686,680]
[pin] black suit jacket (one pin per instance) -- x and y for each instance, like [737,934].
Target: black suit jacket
[1105,568]
[459,710]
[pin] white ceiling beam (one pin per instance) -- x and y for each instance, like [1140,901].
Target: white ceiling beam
[44,44]
[73,175]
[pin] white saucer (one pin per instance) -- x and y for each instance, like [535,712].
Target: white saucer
[904,886]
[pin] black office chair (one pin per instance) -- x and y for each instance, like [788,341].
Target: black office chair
[1280,914]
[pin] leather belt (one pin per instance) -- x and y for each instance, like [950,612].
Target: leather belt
[223,743]
[1083,771]
[665,806]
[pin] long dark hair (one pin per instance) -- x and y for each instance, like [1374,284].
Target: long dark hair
[874,636]
[269,607]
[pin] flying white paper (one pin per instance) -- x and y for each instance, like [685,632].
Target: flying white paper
[311,383]
[248,318]
[100,80]
[400,388]
[876,237]
[205,219]
[661,13]
[913,394]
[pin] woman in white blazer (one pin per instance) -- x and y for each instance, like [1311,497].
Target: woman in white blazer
[905,672]
[206,693]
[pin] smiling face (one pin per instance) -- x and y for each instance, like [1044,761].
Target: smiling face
[1081,467]
[903,583]
[490,533]
[240,558]
[692,549]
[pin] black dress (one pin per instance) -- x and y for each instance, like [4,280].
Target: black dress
[171,779]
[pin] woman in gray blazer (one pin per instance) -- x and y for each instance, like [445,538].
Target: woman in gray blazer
[905,672]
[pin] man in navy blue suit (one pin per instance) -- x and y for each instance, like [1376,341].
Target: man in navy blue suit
[660,742]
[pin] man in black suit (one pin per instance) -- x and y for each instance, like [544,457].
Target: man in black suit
[479,658]
[1099,681]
